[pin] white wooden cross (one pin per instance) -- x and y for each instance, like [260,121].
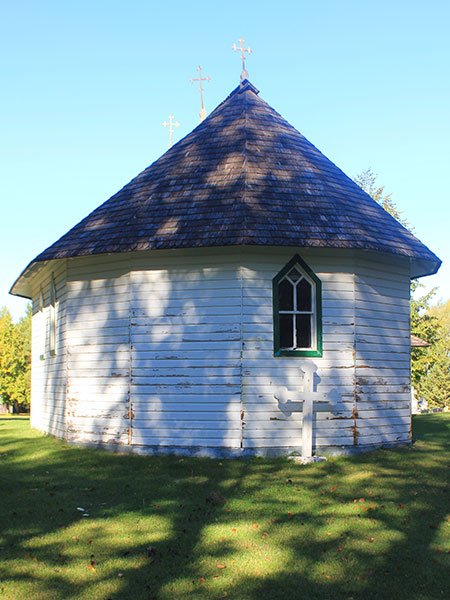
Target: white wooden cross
[289,402]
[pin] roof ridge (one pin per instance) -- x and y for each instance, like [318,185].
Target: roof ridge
[244,234]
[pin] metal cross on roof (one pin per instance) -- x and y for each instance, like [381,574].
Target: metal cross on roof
[200,79]
[244,74]
[171,125]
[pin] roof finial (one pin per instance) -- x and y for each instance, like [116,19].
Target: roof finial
[200,79]
[170,125]
[244,74]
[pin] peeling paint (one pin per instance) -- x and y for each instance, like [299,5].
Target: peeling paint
[354,428]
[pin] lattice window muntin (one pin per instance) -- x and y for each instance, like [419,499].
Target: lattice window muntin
[296,301]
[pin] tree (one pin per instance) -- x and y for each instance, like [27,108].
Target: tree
[367,181]
[434,385]
[426,327]
[442,312]
[15,360]
[430,367]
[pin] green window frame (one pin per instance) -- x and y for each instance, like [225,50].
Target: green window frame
[297,310]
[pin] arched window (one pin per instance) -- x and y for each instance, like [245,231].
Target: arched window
[297,311]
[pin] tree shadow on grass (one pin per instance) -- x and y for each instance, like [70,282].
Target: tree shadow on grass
[362,527]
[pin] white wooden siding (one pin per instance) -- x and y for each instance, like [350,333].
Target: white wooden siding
[48,372]
[98,350]
[263,373]
[186,350]
[382,347]
[175,348]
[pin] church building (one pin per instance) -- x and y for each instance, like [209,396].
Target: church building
[240,296]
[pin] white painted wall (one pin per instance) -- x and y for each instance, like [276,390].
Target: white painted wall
[383,381]
[175,348]
[48,373]
[264,374]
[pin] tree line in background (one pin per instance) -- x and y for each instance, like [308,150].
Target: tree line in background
[15,361]
[430,366]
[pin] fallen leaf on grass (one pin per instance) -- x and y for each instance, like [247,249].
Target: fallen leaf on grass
[221,566]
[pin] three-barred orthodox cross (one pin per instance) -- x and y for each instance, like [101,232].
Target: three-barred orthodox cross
[304,402]
[244,74]
[171,125]
[200,79]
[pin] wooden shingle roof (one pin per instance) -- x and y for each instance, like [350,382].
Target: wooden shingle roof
[244,176]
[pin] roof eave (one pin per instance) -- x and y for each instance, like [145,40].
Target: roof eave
[22,285]
[422,267]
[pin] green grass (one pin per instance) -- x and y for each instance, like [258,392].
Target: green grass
[366,527]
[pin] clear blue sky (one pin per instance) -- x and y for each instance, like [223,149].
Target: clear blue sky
[87,85]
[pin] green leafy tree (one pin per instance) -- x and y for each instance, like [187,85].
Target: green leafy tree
[15,360]
[434,385]
[426,327]
[442,312]
[430,373]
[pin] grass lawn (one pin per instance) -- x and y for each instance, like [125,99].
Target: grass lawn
[366,527]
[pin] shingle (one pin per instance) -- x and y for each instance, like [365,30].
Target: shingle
[243,176]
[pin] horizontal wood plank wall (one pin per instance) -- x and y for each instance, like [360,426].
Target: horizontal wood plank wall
[263,374]
[48,372]
[176,349]
[383,383]
[186,349]
[98,348]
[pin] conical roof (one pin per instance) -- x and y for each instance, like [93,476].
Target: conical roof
[244,176]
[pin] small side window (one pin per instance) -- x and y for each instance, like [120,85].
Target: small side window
[52,318]
[297,311]
[41,323]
